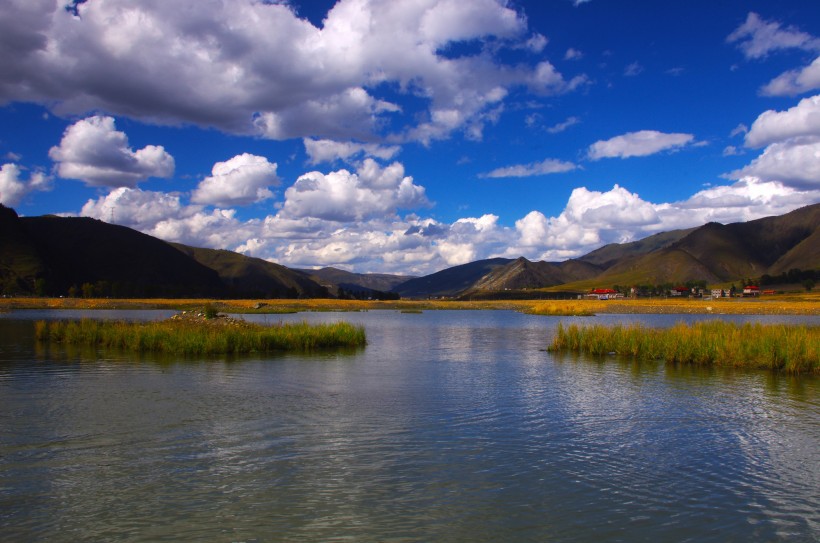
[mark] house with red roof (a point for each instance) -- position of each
(751, 290)
(604, 294)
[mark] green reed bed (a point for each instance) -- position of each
(201, 338)
(788, 348)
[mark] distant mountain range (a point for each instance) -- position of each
(365, 283)
(713, 253)
(52, 255)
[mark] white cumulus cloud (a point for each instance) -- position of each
(256, 67)
(757, 37)
(137, 208)
(774, 126)
(94, 151)
(242, 180)
(165, 216)
(589, 220)
(344, 196)
(794, 163)
(641, 143)
(323, 150)
(791, 142)
(13, 188)
(747, 199)
(794, 82)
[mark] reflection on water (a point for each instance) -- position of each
(448, 426)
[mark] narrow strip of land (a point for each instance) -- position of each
(790, 304)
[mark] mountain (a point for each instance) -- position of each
(803, 256)
(752, 248)
(611, 254)
(714, 253)
(21, 264)
(657, 267)
(334, 278)
(523, 274)
(248, 277)
(71, 255)
(108, 259)
(450, 281)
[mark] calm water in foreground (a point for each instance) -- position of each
(448, 426)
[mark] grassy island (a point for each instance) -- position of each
(183, 336)
(788, 348)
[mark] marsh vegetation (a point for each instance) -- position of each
(194, 337)
(787, 348)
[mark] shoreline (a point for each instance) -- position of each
(790, 304)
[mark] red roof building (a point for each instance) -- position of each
(603, 291)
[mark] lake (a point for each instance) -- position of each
(448, 426)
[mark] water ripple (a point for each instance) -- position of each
(455, 427)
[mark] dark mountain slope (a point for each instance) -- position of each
(749, 249)
(21, 264)
(803, 256)
(248, 277)
(658, 267)
(611, 254)
(724, 251)
(520, 274)
(76, 251)
(450, 281)
(578, 270)
(524, 274)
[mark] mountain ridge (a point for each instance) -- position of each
(714, 253)
(62, 255)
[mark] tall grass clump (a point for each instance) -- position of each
(197, 338)
(781, 347)
(562, 309)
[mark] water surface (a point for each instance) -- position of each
(449, 425)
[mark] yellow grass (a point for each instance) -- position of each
(198, 337)
(787, 348)
(793, 304)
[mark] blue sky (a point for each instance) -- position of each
(409, 136)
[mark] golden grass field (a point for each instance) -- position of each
(778, 304)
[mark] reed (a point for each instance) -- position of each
(563, 309)
(787, 348)
(201, 338)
